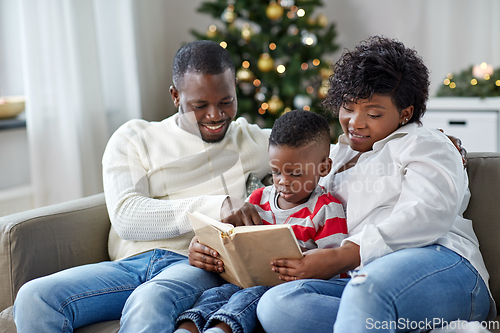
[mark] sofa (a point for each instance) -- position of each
(45, 240)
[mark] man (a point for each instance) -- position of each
(155, 172)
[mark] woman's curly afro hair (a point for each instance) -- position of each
(380, 66)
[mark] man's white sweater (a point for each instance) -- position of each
(155, 172)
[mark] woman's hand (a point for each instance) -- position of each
(319, 263)
(238, 212)
(204, 257)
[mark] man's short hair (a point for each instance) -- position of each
(203, 57)
(380, 66)
(299, 128)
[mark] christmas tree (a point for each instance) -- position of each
(278, 49)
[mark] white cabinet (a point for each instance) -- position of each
(475, 121)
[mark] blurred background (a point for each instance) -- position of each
(84, 67)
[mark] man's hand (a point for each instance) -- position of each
(238, 212)
(318, 263)
(458, 144)
(203, 257)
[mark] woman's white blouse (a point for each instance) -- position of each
(409, 191)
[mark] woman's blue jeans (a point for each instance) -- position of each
(147, 292)
(411, 289)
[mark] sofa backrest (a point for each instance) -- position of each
(484, 211)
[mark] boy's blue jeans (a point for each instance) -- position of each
(407, 290)
(228, 304)
(147, 292)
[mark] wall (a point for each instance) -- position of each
(450, 35)
(11, 80)
(162, 27)
(15, 189)
(14, 168)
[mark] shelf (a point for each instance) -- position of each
(11, 123)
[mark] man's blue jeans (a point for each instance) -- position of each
(147, 292)
(418, 288)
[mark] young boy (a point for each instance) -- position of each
(299, 148)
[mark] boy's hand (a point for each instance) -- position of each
(204, 257)
(308, 267)
(238, 212)
(319, 263)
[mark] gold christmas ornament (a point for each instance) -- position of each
(322, 91)
(212, 31)
(275, 104)
(326, 72)
(274, 11)
(244, 74)
(322, 20)
(246, 32)
(228, 15)
(265, 63)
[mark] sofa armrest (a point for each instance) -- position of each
(45, 240)
(484, 211)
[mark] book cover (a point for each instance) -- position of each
(247, 251)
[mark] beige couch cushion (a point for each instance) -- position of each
(7, 321)
(7, 325)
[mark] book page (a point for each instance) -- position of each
(256, 250)
(223, 227)
(209, 235)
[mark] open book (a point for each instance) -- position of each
(247, 251)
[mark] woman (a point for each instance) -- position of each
(414, 260)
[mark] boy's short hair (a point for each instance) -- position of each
(380, 66)
(299, 128)
(203, 57)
